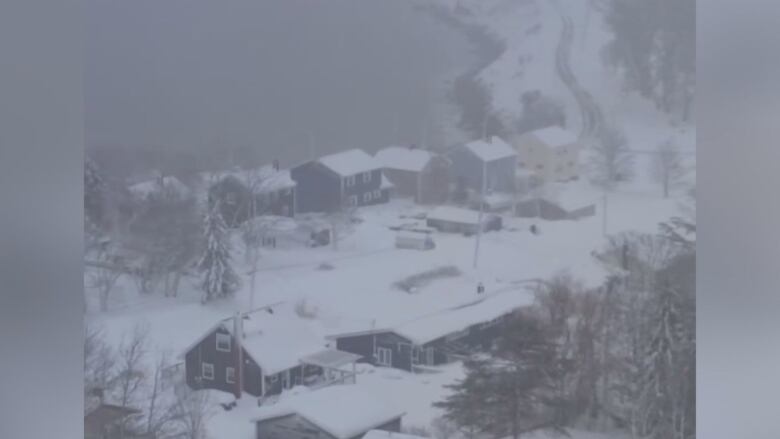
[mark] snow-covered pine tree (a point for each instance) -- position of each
(219, 280)
(661, 382)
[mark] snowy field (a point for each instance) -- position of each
(358, 292)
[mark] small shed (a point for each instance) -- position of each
(408, 239)
(337, 412)
(458, 220)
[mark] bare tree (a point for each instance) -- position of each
(130, 368)
(668, 167)
(104, 275)
(341, 223)
(192, 408)
(613, 161)
(160, 414)
(99, 362)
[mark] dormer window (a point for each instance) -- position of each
(350, 181)
(366, 177)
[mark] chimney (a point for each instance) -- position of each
(276, 165)
(238, 335)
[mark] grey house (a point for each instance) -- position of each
(416, 173)
(349, 178)
(337, 412)
(494, 159)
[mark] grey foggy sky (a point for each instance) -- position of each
(266, 74)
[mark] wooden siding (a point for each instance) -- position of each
(364, 345)
(206, 352)
(468, 167)
(317, 188)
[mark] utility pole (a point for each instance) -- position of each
(481, 212)
(604, 216)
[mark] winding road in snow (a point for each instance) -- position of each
(591, 114)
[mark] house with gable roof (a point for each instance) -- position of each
(551, 154)
(350, 178)
(492, 159)
(263, 353)
(416, 173)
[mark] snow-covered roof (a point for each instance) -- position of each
(428, 328)
(271, 180)
(554, 136)
(384, 434)
(456, 215)
(404, 158)
(260, 180)
(331, 358)
(496, 149)
(154, 186)
(344, 411)
(498, 200)
(350, 162)
(277, 342)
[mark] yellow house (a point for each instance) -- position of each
(550, 153)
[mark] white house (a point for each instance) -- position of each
(551, 154)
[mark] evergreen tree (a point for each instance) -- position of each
(219, 280)
(654, 47)
(514, 391)
(662, 378)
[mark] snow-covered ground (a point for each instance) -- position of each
(358, 292)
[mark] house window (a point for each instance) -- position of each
(366, 177)
(230, 198)
(352, 200)
(384, 356)
(350, 181)
(274, 378)
(207, 371)
(367, 197)
(377, 194)
(230, 375)
(223, 342)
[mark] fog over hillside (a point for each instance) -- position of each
(267, 79)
